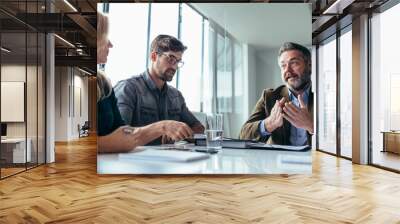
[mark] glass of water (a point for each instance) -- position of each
(214, 132)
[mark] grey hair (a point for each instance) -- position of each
(287, 46)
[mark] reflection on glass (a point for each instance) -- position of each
(385, 85)
(41, 99)
(327, 97)
(32, 101)
(238, 78)
(238, 97)
(128, 57)
(208, 72)
(164, 20)
(394, 101)
(190, 73)
(14, 149)
(23, 95)
(224, 74)
(345, 94)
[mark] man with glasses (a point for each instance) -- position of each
(284, 115)
(147, 98)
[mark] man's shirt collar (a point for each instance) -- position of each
(150, 83)
(306, 93)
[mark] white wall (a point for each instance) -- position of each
(69, 85)
(79, 117)
(261, 72)
(250, 71)
(61, 103)
(268, 72)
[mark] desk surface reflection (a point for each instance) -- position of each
(226, 161)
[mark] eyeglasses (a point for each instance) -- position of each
(291, 63)
(172, 60)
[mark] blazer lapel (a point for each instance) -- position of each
(310, 105)
(310, 108)
(286, 124)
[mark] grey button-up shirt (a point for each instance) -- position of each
(141, 103)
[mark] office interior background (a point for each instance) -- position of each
(46, 79)
(48, 87)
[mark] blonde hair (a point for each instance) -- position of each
(104, 86)
(102, 29)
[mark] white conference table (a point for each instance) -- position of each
(227, 161)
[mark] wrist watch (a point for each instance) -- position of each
(128, 130)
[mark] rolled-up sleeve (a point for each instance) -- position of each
(125, 93)
(263, 131)
(251, 129)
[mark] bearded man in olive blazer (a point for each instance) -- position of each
(284, 115)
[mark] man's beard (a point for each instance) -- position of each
(168, 75)
(300, 82)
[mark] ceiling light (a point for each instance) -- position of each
(338, 6)
(64, 40)
(5, 50)
(86, 72)
(332, 9)
(79, 51)
(71, 6)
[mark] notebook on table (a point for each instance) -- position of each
(250, 144)
(164, 155)
(260, 145)
(200, 140)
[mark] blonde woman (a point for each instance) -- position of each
(113, 134)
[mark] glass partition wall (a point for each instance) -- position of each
(334, 59)
(385, 88)
(327, 94)
(22, 100)
(345, 108)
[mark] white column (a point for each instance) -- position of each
(50, 99)
(249, 68)
(360, 90)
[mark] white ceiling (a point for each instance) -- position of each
(263, 25)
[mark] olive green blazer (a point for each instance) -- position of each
(281, 135)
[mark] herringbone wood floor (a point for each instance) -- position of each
(70, 191)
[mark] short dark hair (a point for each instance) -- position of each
(163, 43)
(293, 46)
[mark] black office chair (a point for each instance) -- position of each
(84, 130)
